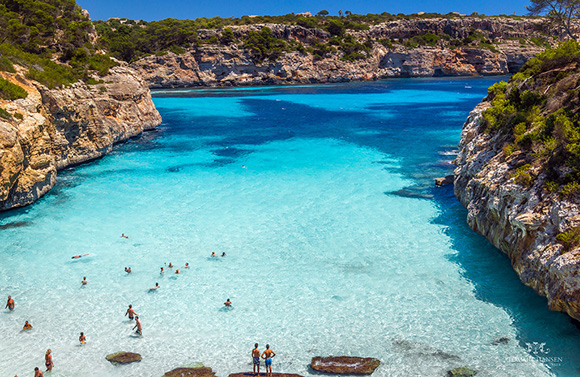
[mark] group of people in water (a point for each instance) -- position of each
(132, 315)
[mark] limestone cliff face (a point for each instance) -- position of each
(65, 127)
(213, 65)
(520, 221)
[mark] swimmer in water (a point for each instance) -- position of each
(84, 282)
(130, 312)
(38, 372)
(27, 326)
(213, 254)
(186, 265)
(170, 265)
(228, 303)
(138, 326)
(82, 339)
(224, 254)
(128, 270)
(124, 236)
(79, 256)
(177, 271)
(162, 271)
(9, 304)
(155, 287)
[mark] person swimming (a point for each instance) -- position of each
(155, 287)
(27, 326)
(213, 254)
(84, 282)
(228, 303)
(170, 265)
(162, 272)
(186, 265)
(177, 271)
(224, 254)
(79, 256)
(128, 270)
(124, 236)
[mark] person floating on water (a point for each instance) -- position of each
(124, 236)
(38, 372)
(130, 312)
(228, 303)
(48, 360)
(128, 270)
(138, 326)
(268, 355)
(156, 287)
(27, 326)
(84, 282)
(224, 254)
(79, 256)
(186, 265)
(256, 359)
(82, 338)
(9, 304)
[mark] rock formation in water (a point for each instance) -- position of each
(517, 174)
(52, 129)
(507, 47)
(344, 364)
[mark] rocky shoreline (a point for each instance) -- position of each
(54, 129)
(217, 65)
(520, 221)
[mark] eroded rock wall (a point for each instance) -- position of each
(65, 127)
(520, 221)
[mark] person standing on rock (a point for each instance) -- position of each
(268, 355)
(256, 359)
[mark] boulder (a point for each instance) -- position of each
(123, 357)
(197, 371)
(344, 364)
(461, 372)
(447, 180)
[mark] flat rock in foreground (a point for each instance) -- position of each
(190, 371)
(344, 364)
(250, 374)
(123, 357)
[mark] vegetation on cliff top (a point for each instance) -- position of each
(537, 116)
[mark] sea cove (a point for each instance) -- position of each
(336, 243)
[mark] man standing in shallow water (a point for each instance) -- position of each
(9, 304)
(137, 325)
(131, 312)
(268, 355)
(256, 358)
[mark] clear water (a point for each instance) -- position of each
(337, 243)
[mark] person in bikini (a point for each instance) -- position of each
(256, 359)
(130, 312)
(268, 355)
(48, 360)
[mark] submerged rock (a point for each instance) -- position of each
(196, 370)
(344, 364)
(461, 372)
(502, 340)
(123, 357)
(447, 180)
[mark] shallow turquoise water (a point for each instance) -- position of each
(336, 243)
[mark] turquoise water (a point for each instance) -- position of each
(337, 243)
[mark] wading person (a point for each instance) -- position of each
(48, 360)
(130, 312)
(9, 303)
(137, 325)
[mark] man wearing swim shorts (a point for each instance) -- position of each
(256, 359)
(9, 304)
(137, 325)
(268, 355)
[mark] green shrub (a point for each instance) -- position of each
(5, 114)
(551, 186)
(522, 176)
(570, 189)
(569, 239)
(18, 116)
(10, 91)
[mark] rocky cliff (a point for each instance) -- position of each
(507, 47)
(511, 192)
(50, 130)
